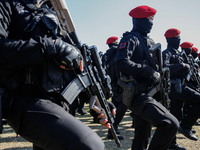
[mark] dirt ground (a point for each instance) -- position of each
(10, 141)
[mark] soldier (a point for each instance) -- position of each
(110, 65)
(194, 52)
(36, 64)
(189, 49)
(132, 60)
(180, 93)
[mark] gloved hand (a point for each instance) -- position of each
(67, 56)
(150, 73)
(186, 68)
(155, 77)
(102, 117)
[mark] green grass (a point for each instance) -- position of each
(10, 141)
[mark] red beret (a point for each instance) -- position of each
(186, 45)
(111, 39)
(142, 12)
(172, 33)
(194, 50)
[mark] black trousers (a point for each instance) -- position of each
(189, 97)
(147, 112)
(50, 127)
(121, 109)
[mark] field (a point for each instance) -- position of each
(10, 141)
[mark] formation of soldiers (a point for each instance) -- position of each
(184, 76)
(45, 72)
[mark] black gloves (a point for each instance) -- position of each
(187, 67)
(95, 114)
(155, 77)
(67, 55)
(151, 74)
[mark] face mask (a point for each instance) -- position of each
(187, 50)
(142, 25)
(173, 42)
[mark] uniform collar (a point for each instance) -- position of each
(173, 49)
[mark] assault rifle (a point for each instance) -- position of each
(193, 74)
(93, 79)
(164, 86)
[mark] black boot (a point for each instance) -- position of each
(176, 147)
(197, 123)
(81, 112)
(187, 133)
(109, 136)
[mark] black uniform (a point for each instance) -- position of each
(37, 117)
(147, 111)
(172, 59)
(110, 64)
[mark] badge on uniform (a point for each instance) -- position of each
(122, 45)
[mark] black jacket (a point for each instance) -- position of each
(131, 57)
(111, 69)
(25, 46)
(173, 60)
(23, 50)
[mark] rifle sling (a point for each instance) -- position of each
(146, 51)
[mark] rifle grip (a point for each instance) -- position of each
(95, 105)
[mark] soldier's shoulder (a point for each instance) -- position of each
(128, 37)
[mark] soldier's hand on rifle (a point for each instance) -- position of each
(186, 67)
(102, 116)
(67, 56)
(155, 77)
(103, 120)
(150, 73)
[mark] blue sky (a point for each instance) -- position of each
(96, 20)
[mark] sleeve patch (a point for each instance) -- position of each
(122, 45)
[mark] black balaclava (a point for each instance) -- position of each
(194, 54)
(142, 25)
(112, 44)
(187, 50)
(173, 42)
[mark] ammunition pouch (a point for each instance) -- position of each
(129, 90)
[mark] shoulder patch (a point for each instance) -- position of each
(122, 45)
